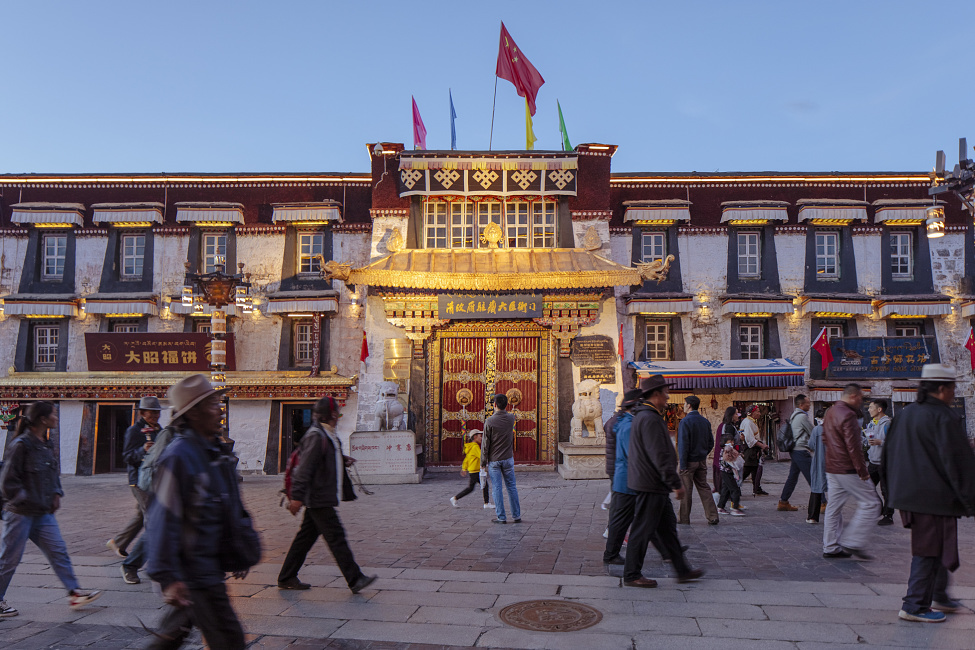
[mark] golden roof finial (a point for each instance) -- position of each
(395, 242)
(492, 235)
(591, 241)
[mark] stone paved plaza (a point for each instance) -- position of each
(445, 574)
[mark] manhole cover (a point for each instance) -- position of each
(550, 616)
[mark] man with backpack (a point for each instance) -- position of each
(319, 483)
(795, 435)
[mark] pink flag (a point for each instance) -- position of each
(419, 131)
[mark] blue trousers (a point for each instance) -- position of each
(801, 462)
(928, 581)
(504, 469)
(44, 532)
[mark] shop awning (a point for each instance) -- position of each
(836, 305)
(667, 210)
(306, 212)
(40, 305)
(284, 302)
(127, 303)
(903, 211)
(219, 212)
(968, 309)
(831, 212)
(649, 304)
(894, 306)
(516, 269)
(122, 213)
(725, 373)
(756, 305)
(67, 213)
(754, 212)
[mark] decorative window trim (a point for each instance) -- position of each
(60, 253)
(136, 258)
(827, 264)
(752, 328)
(302, 343)
(46, 353)
(748, 256)
(313, 265)
(654, 344)
(208, 261)
(899, 255)
(653, 234)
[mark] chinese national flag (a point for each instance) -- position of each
(513, 66)
(365, 347)
(970, 344)
(821, 345)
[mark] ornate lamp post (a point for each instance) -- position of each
(960, 181)
(219, 289)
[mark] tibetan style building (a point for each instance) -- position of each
(472, 273)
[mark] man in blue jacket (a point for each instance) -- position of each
(694, 442)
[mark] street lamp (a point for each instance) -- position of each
(960, 181)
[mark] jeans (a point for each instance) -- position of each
(211, 612)
(842, 488)
(696, 475)
(653, 514)
(801, 462)
(44, 532)
(324, 522)
(620, 519)
(504, 469)
(123, 539)
(137, 556)
(928, 581)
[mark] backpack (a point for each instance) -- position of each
(148, 467)
(786, 439)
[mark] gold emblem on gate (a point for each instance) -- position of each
(464, 396)
(514, 397)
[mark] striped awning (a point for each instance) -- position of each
(127, 212)
(108, 304)
(210, 212)
(725, 373)
(937, 307)
(646, 305)
(670, 210)
(299, 212)
(731, 306)
(39, 305)
(70, 213)
(754, 211)
(811, 305)
(285, 302)
(968, 309)
(903, 396)
(832, 214)
(912, 211)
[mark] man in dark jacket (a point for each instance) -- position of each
(929, 468)
(139, 439)
(694, 442)
(847, 478)
(623, 498)
(498, 451)
(652, 474)
(320, 484)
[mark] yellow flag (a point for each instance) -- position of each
(529, 133)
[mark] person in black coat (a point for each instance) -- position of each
(929, 469)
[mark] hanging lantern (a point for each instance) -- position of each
(935, 223)
(218, 322)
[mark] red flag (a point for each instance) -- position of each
(365, 348)
(419, 131)
(620, 347)
(513, 66)
(970, 344)
(821, 345)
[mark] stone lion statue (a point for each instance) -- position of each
(389, 410)
(587, 415)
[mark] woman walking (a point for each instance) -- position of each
(727, 432)
(31, 487)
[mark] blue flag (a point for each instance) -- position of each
(453, 116)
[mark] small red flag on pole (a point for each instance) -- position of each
(970, 344)
(365, 348)
(821, 345)
(514, 67)
(620, 345)
(419, 130)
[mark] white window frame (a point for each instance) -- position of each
(751, 338)
(907, 330)
(303, 347)
(435, 224)
(46, 339)
(310, 244)
(124, 326)
(828, 254)
(488, 212)
(517, 223)
(462, 224)
(833, 330)
(132, 252)
(54, 247)
(653, 245)
(749, 262)
(213, 248)
(202, 326)
(658, 341)
(543, 224)
(901, 255)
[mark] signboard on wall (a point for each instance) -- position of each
(881, 357)
(602, 374)
(489, 307)
(383, 452)
(593, 351)
(152, 352)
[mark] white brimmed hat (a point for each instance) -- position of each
(189, 392)
(938, 372)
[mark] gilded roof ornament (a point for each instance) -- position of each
(591, 240)
(492, 235)
(332, 270)
(655, 270)
(395, 242)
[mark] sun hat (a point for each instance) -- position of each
(652, 383)
(472, 433)
(149, 403)
(938, 372)
(189, 392)
(630, 397)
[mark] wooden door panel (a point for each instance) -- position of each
(463, 370)
(517, 377)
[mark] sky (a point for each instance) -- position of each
(289, 86)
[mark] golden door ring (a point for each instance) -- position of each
(464, 396)
(514, 397)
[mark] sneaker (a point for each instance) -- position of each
(886, 521)
(489, 506)
(499, 521)
(785, 506)
(6, 611)
(947, 605)
(811, 521)
(115, 548)
(79, 598)
(922, 617)
(836, 555)
(722, 511)
(131, 576)
(517, 520)
(761, 493)
(742, 507)
(293, 583)
(363, 582)
(453, 502)
(736, 513)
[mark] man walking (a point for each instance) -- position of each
(652, 474)
(621, 505)
(139, 439)
(801, 458)
(694, 443)
(753, 450)
(498, 450)
(847, 478)
(876, 435)
(929, 470)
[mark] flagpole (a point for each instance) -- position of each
(493, 104)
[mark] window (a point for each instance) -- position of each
(901, 256)
(55, 249)
(133, 256)
(310, 245)
(654, 245)
(202, 326)
(123, 326)
(749, 255)
(488, 212)
(750, 336)
(543, 224)
(517, 216)
(214, 250)
(658, 342)
(907, 330)
(834, 331)
(46, 339)
(435, 220)
(827, 255)
(303, 344)
(461, 225)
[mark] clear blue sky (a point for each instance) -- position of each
(201, 86)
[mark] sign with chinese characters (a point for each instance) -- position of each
(489, 307)
(593, 351)
(383, 452)
(602, 374)
(148, 352)
(881, 357)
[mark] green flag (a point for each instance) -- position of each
(566, 145)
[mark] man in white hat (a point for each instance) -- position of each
(929, 467)
(139, 439)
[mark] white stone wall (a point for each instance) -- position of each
(790, 255)
(69, 426)
(345, 342)
(607, 324)
(381, 231)
(377, 330)
(867, 250)
(248, 425)
(621, 250)
(581, 227)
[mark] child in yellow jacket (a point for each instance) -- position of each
(472, 467)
